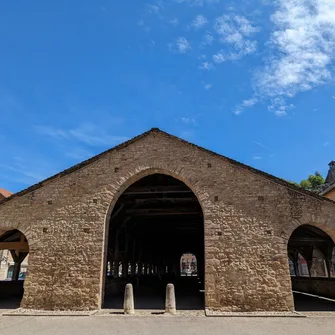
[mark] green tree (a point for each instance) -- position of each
(313, 182)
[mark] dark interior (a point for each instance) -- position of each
(154, 222)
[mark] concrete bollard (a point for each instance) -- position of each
(128, 304)
(170, 300)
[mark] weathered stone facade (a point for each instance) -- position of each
(248, 218)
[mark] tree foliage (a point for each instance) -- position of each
(313, 182)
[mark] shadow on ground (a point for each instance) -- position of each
(10, 303)
(306, 303)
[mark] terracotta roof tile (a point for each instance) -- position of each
(5, 193)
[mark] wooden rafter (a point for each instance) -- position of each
(17, 246)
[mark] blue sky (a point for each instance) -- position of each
(252, 81)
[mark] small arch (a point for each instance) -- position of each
(14, 250)
(188, 265)
(310, 253)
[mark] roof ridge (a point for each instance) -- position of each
(158, 130)
(250, 168)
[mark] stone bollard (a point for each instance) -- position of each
(128, 304)
(170, 300)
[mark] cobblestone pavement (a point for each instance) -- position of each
(163, 325)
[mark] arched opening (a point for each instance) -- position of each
(153, 222)
(14, 250)
(188, 265)
(311, 261)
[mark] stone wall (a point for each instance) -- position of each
(248, 218)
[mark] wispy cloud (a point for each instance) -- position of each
(206, 66)
(197, 3)
(207, 39)
(257, 157)
(174, 21)
(279, 107)
(154, 9)
(207, 86)
(86, 133)
(181, 45)
(199, 22)
(26, 170)
(245, 104)
(326, 144)
(79, 154)
(260, 144)
(235, 33)
(188, 120)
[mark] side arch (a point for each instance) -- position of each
(310, 250)
(15, 248)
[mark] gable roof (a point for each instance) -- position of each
(327, 188)
(161, 132)
(5, 193)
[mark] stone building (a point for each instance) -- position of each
(136, 208)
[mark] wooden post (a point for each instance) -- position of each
(116, 256)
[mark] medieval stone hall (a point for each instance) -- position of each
(157, 210)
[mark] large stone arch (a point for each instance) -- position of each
(132, 177)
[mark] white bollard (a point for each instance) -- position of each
(128, 304)
(170, 300)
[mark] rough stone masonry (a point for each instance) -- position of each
(248, 218)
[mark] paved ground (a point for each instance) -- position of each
(307, 303)
(321, 320)
(164, 325)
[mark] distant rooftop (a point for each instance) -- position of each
(4, 193)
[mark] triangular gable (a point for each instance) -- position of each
(158, 131)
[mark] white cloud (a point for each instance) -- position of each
(182, 45)
(245, 104)
(257, 157)
(234, 32)
(219, 58)
(154, 9)
(326, 144)
(208, 39)
(206, 66)
(188, 120)
(279, 106)
(280, 113)
(207, 86)
(249, 102)
(199, 22)
(302, 49)
(174, 21)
